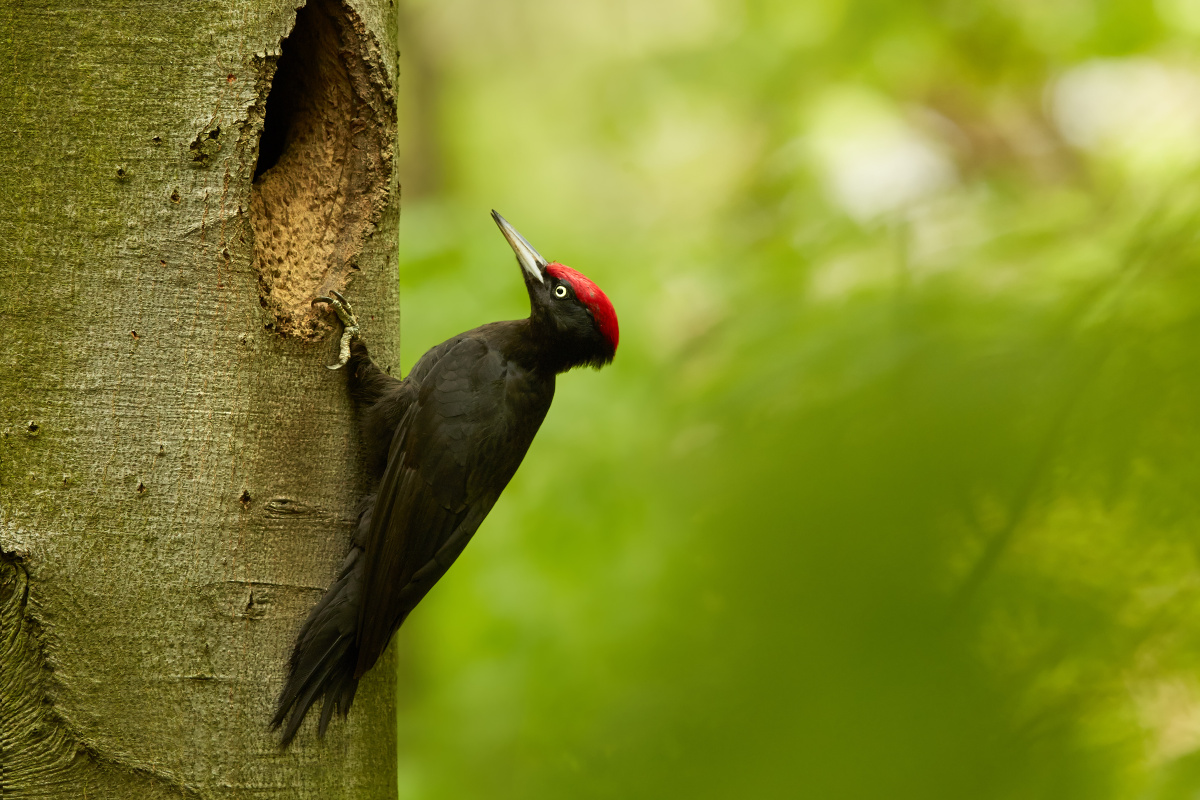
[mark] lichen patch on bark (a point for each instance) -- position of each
(324, 162)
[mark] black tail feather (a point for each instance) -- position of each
(326, 711)
(325, 654)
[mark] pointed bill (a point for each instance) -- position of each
(531, 261)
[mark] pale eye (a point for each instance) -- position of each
(560, 291)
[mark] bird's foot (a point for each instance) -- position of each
(349, 322)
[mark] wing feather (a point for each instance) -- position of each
(453, 452)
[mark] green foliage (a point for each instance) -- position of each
(892, 490)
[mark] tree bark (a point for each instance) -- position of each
(178, 472)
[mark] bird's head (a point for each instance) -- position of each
(567, 310)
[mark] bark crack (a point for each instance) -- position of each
(41, 755)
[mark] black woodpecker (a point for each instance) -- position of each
(444, 441)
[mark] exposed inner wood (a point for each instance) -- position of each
(324, 165)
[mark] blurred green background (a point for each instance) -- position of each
(893, 489)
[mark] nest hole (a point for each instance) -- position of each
(324, 164)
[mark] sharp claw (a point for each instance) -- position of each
(349, 322)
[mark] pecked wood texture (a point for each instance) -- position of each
(177, 475)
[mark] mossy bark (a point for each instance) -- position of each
(178, 471)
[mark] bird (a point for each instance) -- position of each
(443, 443)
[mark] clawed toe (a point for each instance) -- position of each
(340, 306)
(350, 322)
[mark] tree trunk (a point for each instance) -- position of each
(178, 472)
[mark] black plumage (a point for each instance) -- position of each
(447, 439)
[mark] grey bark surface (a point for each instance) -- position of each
(178, 471)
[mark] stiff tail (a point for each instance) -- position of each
(325, 654)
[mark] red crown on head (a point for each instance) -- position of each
(591, 296)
